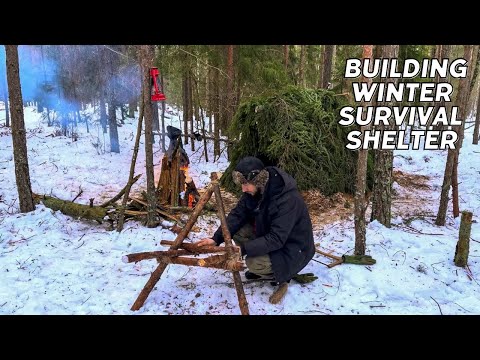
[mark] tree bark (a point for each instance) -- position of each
(216, 116)
(383, 170)
(476, 130)
(453, 154)
(463, 245)
(20, 155)
(176, 244)
(132, 106)
(5, 101)
(327, 65)
(301, 70)
(359, 211)
(146, 58)
(112, 124)
(285, 57)
(163, 119)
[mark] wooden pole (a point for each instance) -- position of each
(121, 215)
(200, 250)
(169, 253)
(242, 300)
(176, 244)
(463, 246)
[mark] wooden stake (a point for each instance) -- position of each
(242, 300)
(463, 246)
(176, 244)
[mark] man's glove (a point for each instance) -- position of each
(305, 278)
(358, 259)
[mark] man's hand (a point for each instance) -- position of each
(205, 242)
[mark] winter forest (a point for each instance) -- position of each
(116, 159)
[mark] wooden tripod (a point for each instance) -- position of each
(230, 260)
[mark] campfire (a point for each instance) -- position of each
(188, 195)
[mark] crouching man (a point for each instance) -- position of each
(270, 223)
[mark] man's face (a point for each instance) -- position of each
(249, 188)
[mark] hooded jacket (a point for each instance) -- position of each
(283, 227)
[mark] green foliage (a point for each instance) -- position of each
(298, 131)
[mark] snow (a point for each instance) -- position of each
(53, 264)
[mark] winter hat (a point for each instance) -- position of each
(251, 170)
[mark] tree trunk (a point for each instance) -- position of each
(463, 245)
(327, 65)
(163, 119)
(112, 124)
(216, 116)
(360, 231)
(146, 58)
(452, 157)
(132, 105)
(19, 139)
(320, 68)
(5, 101)
(383, 170)
(285, 58)
(476, 130)
(190, 108)
(301, 70)
(185, 108)
(103, 110)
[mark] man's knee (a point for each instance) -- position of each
(260, 265)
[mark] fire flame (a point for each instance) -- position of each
(191, 198)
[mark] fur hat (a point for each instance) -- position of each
(251, 170)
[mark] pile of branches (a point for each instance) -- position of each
(298, 131)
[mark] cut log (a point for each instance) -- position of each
(69, 208)
(463, 246)
(201, 249)
(216, 262)
(153, 255)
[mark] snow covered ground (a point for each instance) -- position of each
(53, 264)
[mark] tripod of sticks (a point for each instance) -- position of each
(226, 258)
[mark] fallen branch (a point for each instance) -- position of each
(163, 213)
(71, 209)
(328, 255)
(79, 193)
(441, 313)
(120, 194)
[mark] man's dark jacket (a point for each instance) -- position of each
(282, 225)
